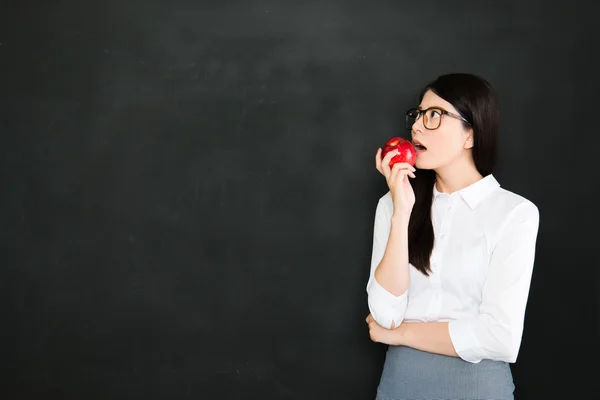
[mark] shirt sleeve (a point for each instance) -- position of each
(496, 332)
(384, 306)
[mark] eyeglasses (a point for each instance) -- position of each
(432, 117)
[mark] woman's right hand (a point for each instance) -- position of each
(397, 180)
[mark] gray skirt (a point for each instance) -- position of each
(410, 374)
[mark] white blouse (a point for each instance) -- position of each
(482, 263)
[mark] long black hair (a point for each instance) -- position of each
(475, 99)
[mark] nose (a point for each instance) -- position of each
(417, 126)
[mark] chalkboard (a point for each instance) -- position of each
(188, 188)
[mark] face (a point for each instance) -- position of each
(445, 145)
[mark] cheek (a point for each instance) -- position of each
(449, 145)
(428, 160)
(439, 152)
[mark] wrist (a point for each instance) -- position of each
(403, 334)
(401, 218)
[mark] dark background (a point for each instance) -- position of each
(188, 188)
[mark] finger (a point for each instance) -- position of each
(395, 171)
(378, 161)
(373, 335)
(385, 169)
(404, 172)
(405, 165)
(398, 179)
(388, 157)
(385, 163)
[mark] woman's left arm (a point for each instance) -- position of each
(495, 333)
(432, 337)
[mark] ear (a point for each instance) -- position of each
(469, 139)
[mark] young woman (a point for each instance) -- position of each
(453, 254)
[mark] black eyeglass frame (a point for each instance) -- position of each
(442, 112)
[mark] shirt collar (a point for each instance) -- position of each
(476, 192)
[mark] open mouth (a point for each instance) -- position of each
(419, 147)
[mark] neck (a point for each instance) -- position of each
(456, 176)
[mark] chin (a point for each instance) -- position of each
(423, 164)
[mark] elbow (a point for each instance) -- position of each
(480, 338)
(385, 308)
(387, 318)
(510, 351)
(504, 352)
(507, 354)
(504, 343)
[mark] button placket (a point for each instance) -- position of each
(446, 221)
(443, 221)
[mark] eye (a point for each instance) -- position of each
(414, 113)
(436, 113)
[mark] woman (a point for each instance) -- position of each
(453, 254)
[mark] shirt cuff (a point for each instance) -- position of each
(386, 307)
(464, 340)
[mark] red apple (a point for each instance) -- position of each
(405, 148)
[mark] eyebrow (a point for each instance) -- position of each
(427, 108)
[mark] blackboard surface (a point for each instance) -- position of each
(188, 188)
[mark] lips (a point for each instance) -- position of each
(419, 146)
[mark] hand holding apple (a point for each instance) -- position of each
(395, 162)
(406, 151)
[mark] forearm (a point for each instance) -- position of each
(432, 337)
(392, 272)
